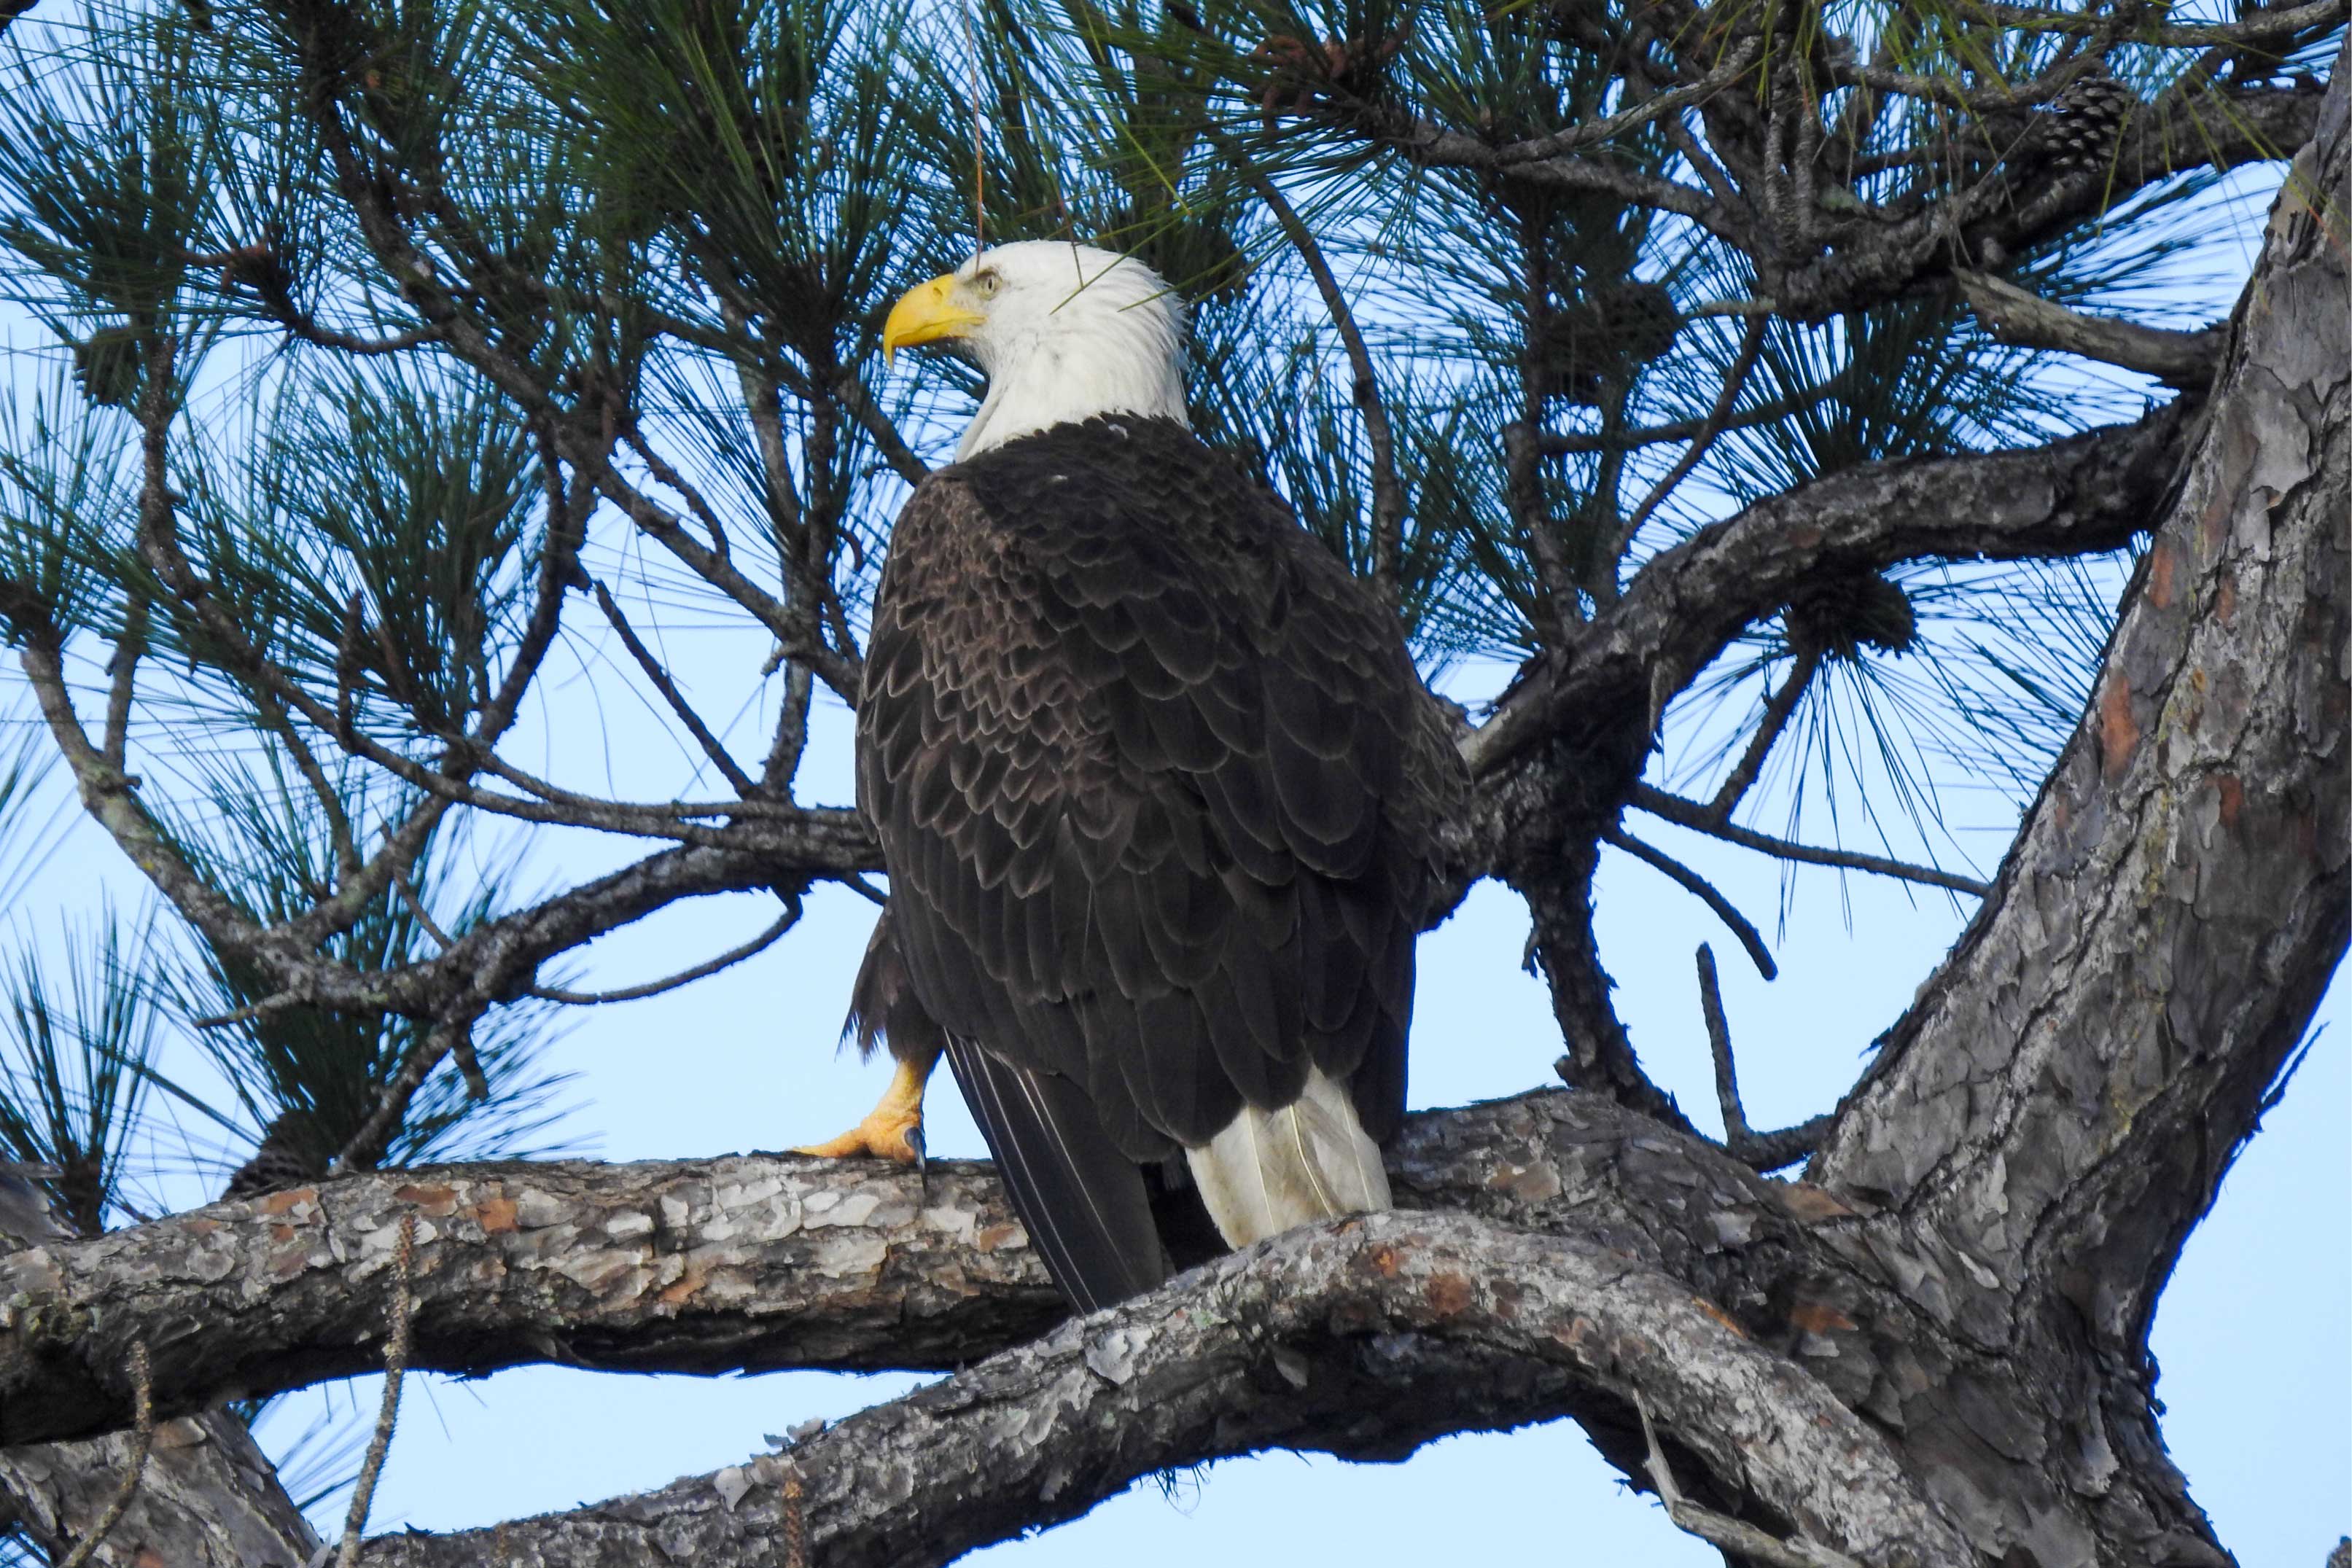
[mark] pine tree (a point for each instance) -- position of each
(1785, 393)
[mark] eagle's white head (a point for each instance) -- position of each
(1064, 331)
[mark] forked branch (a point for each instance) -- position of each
(1701, 819)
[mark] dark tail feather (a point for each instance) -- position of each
(1085, 1202)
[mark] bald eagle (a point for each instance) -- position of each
(1157, 789)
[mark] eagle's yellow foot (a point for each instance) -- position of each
(893, 1130)
(882, 1135)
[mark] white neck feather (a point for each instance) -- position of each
(1076, 363)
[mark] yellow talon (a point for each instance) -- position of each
(893, 1130)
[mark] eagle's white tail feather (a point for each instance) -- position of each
(1295, 1123)
(1269, 1170)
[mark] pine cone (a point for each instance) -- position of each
(109, 367)
(2084, 123)
(1604, 338)
(1843, 613)
(287, 1158)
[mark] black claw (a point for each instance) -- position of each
(922, 1161)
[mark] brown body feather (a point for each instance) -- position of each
(1158, 788)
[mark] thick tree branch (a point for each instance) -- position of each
(2014, 314)
(2057, 1109)
(1364, 1338)
(207, 1499)
(772, 1261)
(751, 1263)
(1565, 947)
(756, 1262)
(2075, 497)
(2220, 130)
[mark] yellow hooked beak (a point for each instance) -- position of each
(925, 314)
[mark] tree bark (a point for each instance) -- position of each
(2053, 1116)
(1366, 1337)
(748, 1263)
(207, 1497)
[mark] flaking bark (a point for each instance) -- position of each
(1365, 1338)
(767, 1262)
(2054, 1114)
(207, 1497)
(751, 1262)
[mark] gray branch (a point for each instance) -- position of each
(207, 1499)
(2014, 314)
(1364, 1338)
(2082, 495)
(753, 1263)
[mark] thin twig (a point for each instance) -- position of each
(1751, 344)
(1691, 882)
(143, 1398)
(1736, 1537)
(417, 907)
(280, 307)
(252, 1012)
(1780, 200)
(893, 445)
(1776, 710)
(1718, 1041)
(276, 720)
(766, 410)
(1574, 441)
(347, 670)
(678, 483)
(757, 944)
(735, 776)
(1759, 1151)
(1592, 132)
(368, 1145)
(1557, 605)
(1432, 146)
(123, 669)
(1691, 814)
(978, 149)
(395, 1365)
(478, 1082)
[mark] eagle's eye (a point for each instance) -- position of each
(987, 283)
